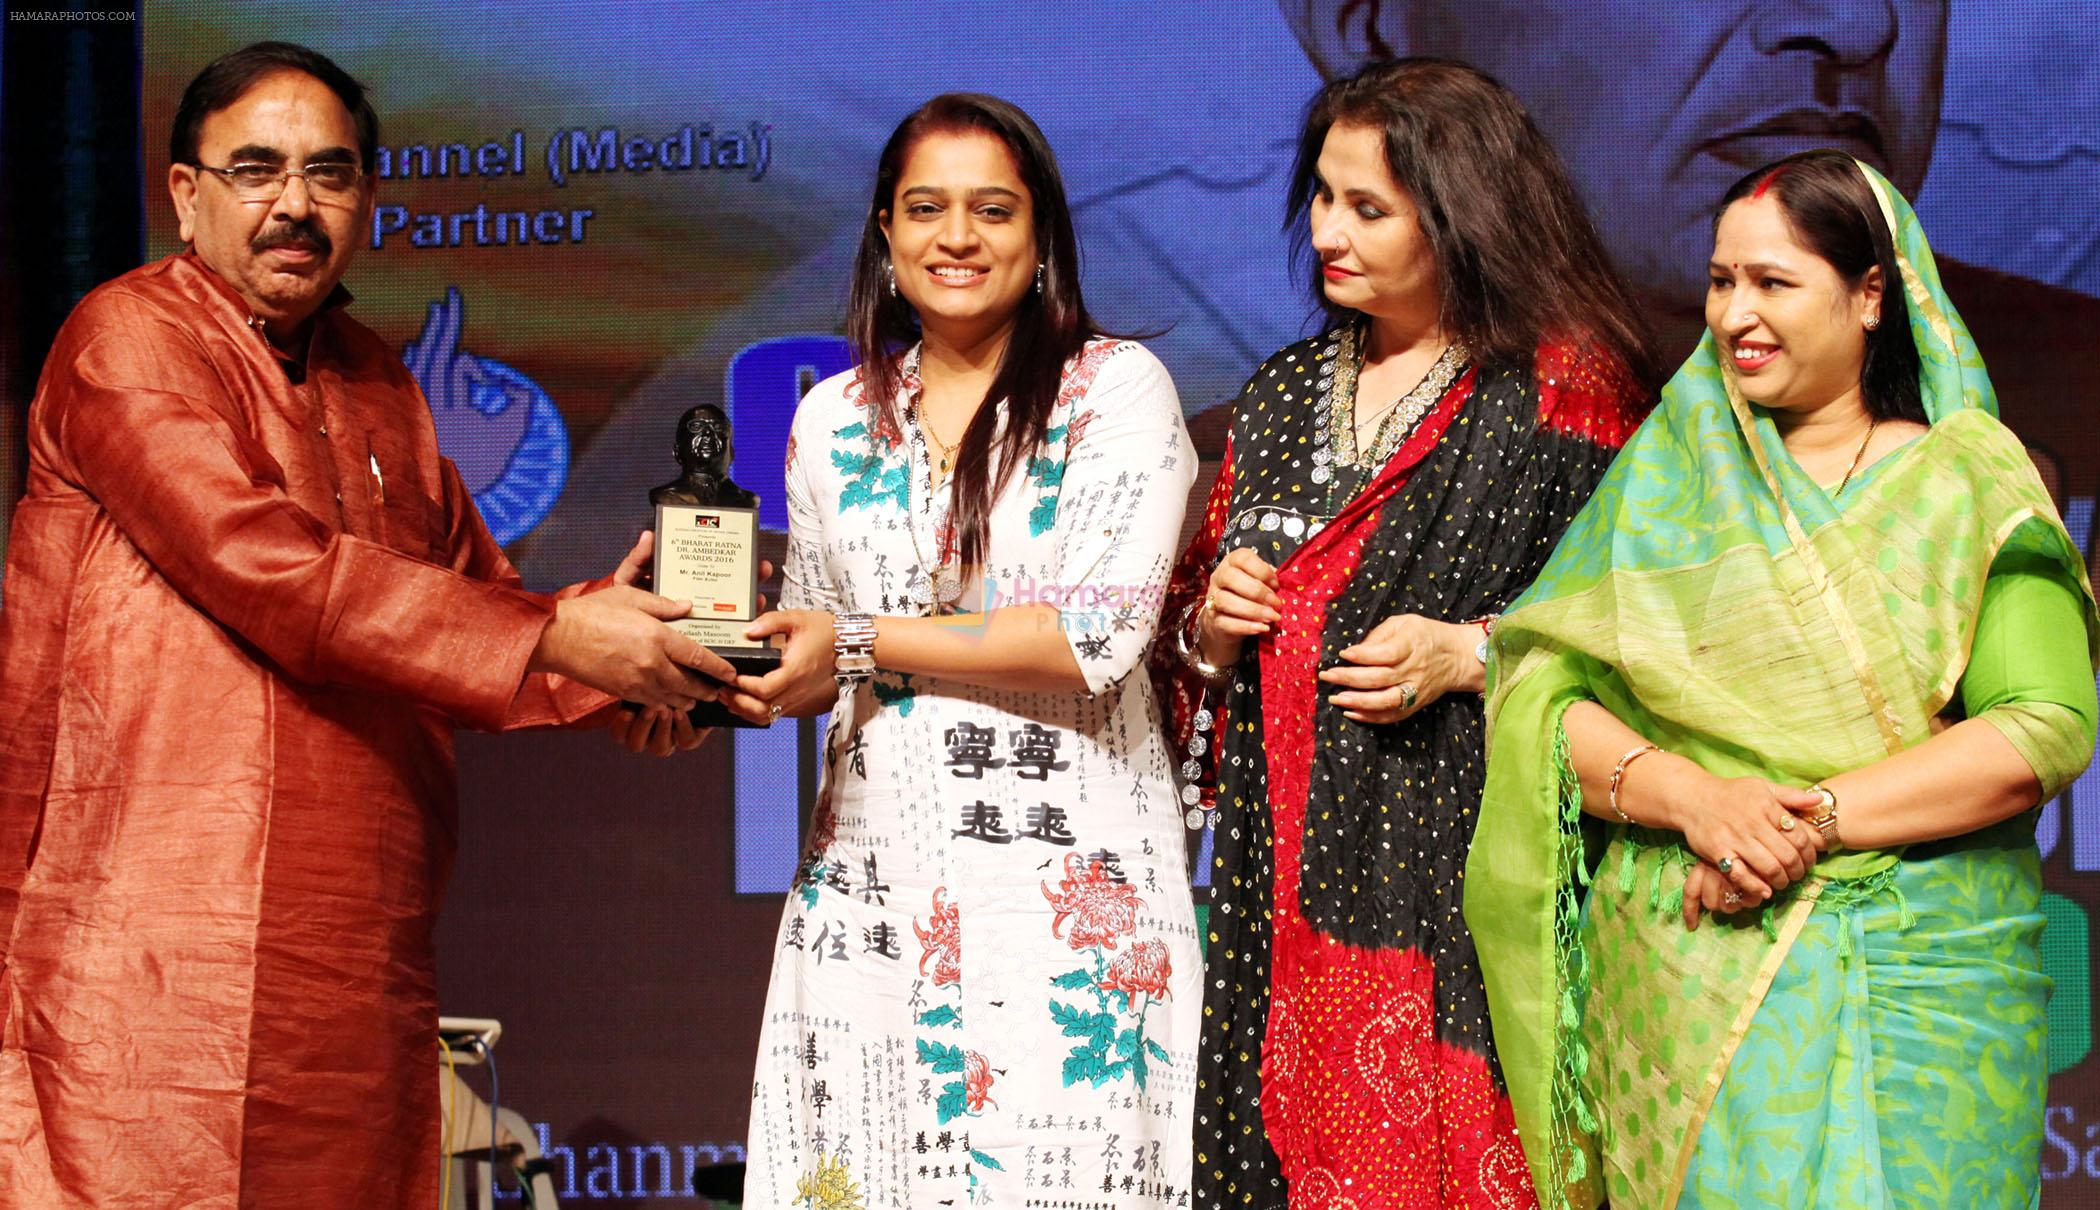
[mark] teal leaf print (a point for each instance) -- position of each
(901, 696)
(856, 465)
(1084, 1063)
(1098, 1027)
(1047, 474)
(945, 1059)
(1072, 981)
(980, 1157)
(950, 1104)
(946, 1014)
(812, 878)
(872, 483)
(1158, 1052)
(1138, 1071)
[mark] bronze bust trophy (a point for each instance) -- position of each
(703, 450)
(707, 551)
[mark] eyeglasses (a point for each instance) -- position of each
(254, 182)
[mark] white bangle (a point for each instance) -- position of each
(1618, 774)
(1186, 646)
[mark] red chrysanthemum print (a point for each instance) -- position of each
(977, 1082)
(1140, 971)
(942, 940)
(1076, 427)
(1099, 908)
(879, 425)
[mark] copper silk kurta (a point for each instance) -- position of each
(246, 601)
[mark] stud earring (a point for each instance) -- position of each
(1873, 322)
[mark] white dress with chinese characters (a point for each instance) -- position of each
(986, 982)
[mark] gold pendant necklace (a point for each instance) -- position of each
(1857, 455)
(946, 460)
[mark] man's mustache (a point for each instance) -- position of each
(302, 234)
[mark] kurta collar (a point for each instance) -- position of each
(239, 312)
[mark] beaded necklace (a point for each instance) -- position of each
(1340, 464)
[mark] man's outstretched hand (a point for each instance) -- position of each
(661, 728)
(656, 730)
(615, 641)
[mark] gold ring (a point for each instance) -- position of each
(1726, 865)
(1407, 695)
(1786, 823)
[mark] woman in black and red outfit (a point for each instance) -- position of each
(1388, 486)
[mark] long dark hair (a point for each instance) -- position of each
(1834, 213)
(1517, 257)
(1051, 327)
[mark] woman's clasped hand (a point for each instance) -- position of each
(1753, 840)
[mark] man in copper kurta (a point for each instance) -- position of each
(246, 602)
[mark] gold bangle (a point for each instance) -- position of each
(1618, 774)
(1827, 822)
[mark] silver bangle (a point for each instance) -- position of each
(853, 648)
(1185, 645)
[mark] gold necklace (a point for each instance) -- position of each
(1856, 456)
(947, 448)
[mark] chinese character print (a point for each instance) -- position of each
(986, 987)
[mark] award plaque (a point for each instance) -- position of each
(707, 553)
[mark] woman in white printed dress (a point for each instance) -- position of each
(986, 981)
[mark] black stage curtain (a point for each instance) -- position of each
(71, 213)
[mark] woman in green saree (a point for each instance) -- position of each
(1754, 884)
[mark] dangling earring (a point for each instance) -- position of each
(890, 272)
(1039, 277)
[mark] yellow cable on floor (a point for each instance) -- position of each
(445, 1131)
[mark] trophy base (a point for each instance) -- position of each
(748, 661)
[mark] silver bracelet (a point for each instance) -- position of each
(853, 648)
(1185, 645)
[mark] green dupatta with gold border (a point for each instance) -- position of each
(1713, 599)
